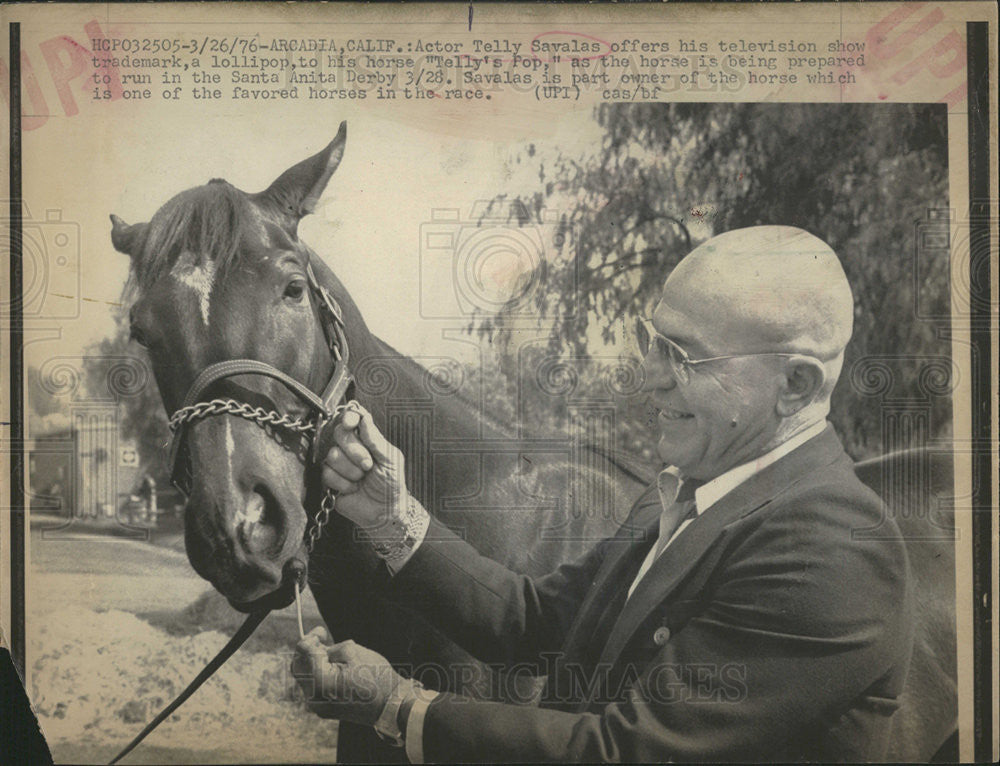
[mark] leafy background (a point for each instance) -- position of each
(870, 180)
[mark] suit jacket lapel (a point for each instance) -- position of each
(642, 527)
(639, 531)
(685, 551)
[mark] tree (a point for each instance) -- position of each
(42, 401)
(142, 416)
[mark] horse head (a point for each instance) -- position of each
(219, 274)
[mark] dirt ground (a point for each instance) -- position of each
(117, 627)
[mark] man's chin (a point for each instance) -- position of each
(671, 453)
(676, 454)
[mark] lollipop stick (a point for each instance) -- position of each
(298, 612)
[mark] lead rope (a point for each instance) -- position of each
(238, 639)
(326, 507)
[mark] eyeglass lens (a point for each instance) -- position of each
(667, 350)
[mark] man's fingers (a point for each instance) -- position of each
(339, 652)
(339, 462)
(311, 645)
(309, 660)
(351, 416)
(346, 652)
(351, 447)
(302, 661)
(357, 422)
(373, 440)
(320, 633)
(337, 482)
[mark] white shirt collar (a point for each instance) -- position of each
(711, 492)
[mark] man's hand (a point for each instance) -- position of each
(365, 470)
(344, 681)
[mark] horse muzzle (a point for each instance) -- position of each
(293, 576)
(245, 553)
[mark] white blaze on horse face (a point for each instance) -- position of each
(198, 278)
(230, 451)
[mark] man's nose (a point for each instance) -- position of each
(658, 375)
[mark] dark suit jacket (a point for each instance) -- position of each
(766, 631)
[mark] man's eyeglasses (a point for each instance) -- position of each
(677, 357)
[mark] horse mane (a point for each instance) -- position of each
(208, 222)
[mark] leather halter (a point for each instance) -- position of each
(324, 406)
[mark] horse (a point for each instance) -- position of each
(220, 274)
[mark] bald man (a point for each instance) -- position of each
(735, 616)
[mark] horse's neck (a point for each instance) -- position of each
(462, 463)
(388, 382)
(389, 385)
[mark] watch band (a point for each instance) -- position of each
(387, 725)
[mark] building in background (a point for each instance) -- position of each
(87, 470)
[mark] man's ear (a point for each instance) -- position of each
(804, 379)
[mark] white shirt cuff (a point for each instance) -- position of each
(415, 725)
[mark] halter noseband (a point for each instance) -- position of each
(326, 406)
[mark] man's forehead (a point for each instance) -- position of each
(709, 317)
(675, 322)
(756, 290)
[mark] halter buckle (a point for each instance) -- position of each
(323, 419)
(329, 302)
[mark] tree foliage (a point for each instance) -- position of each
(142, 418)
(42, 401)
(865, 178)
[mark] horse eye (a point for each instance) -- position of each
(295, 290)
(137, 335)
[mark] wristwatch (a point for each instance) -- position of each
(387, 725)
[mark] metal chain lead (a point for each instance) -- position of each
(329, 502)
(326, 507)
(241, 409)
(265, 418)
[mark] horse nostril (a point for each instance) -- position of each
(257, 524)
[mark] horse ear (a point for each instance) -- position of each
(127, 239)
(296, 191)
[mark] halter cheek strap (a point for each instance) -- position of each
(336, 388)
